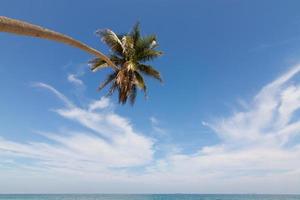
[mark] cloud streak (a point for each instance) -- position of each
(259, 146)
(259, 149)
(108, 142)
(72, 78)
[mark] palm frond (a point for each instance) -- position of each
(135, 33)
(120, 36)
(133, 93)
(148, 54)
(128, 46)
(97, 64)
(109, 79)
(112, 88)
(146, 42)
(117, 59)
(111, 39)
(123, 95)
(150, 71)
(140, 81)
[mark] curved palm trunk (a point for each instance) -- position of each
(23, 28)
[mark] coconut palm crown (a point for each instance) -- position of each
(130, 52)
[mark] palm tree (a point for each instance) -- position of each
(23, 28)
(129, 52)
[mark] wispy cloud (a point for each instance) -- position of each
(257, 146)
(65, 100)
(259, 149)
(100, 104)
(108, 142)
(156, 126)
(72, 78)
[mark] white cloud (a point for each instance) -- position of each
(257, 147)
(54, 91)
(100, 104)
(153, 120)
(156, 126)
(258, 153)
(72, 78)
(110, 141)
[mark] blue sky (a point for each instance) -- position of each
(224, 121)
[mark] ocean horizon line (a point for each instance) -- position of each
(177, 193)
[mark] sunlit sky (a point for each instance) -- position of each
(225, 120)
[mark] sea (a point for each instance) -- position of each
(147, 197)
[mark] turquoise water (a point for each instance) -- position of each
(147, 197)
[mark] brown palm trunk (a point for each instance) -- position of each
(23, 28)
